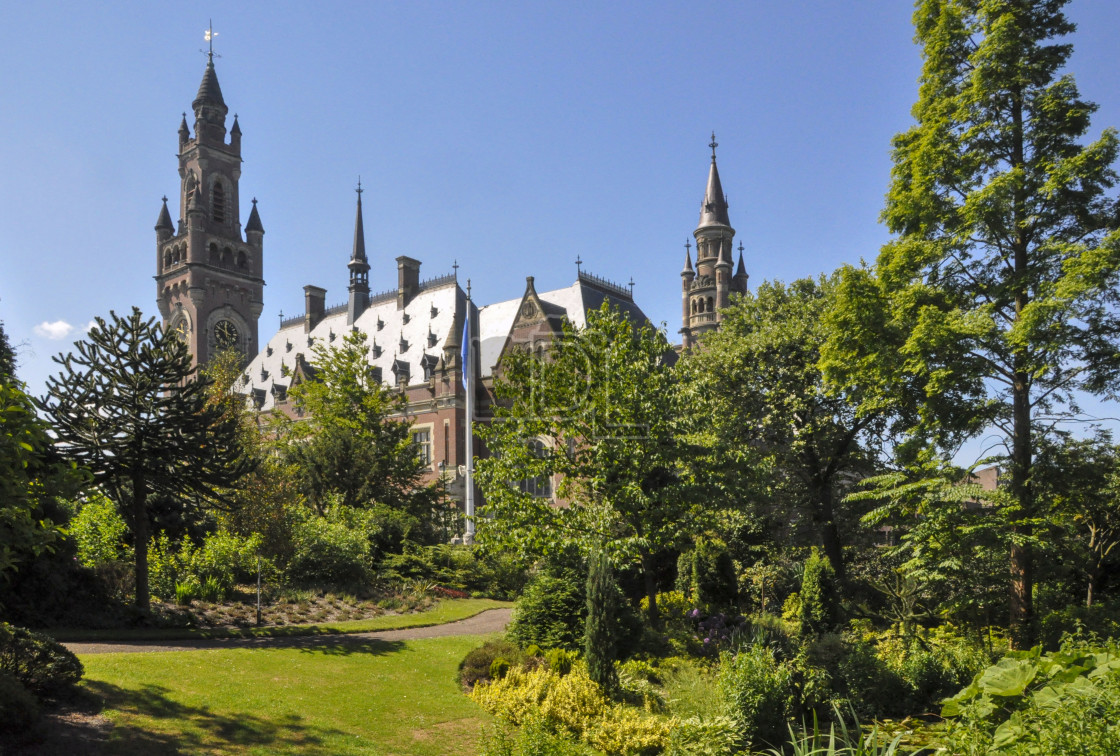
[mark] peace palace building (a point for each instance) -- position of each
(210, 288)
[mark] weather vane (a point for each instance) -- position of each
(208, 36)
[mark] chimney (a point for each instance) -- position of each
(408, 280)
(314, 302)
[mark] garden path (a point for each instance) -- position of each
(489, 621)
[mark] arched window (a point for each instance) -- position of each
(242, 260)
(710, 308)
(227, 256)
(219, 202)
(167, 258)
(213, 253)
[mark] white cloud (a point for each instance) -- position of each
(55, 331)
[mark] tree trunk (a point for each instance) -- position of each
(1022, 566)
(649, 575)
(830, 534)
(140, 536)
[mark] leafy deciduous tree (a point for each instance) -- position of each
(598, 413)
(347, 442)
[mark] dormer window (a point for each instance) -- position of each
(376, 374)
(435, 311)
(375, 350)
(403, 345)
(268, 351)
(400, 372)
(380, 324)
(432, 339)
(287, 346)
(428, 365)
(405, 317)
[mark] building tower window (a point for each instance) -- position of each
(540, 486)
(219, 201)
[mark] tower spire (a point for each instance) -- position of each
(359, 267)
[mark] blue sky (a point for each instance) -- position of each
(511, 137)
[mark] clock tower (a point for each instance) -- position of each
(209, 283)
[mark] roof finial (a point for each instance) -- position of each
(468, 289)
(579, 263)
(281, 317)
(359, 190)
(209, 37)
(455, 267)
(740, 246)
(713, 144)
(688, 246)
(631, 285)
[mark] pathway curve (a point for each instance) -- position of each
(489, 621)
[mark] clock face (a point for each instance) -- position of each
(225, 334)
(180, 330)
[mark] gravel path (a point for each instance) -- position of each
(489, 621)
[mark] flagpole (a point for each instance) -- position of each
(468, 385)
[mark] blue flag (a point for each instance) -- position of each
(466, 355)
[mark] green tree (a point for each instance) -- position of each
(128, 408)
(1003, 276)
(757, 386)
(599, 414)
(7, 356)
(345, 444)
(600, 641)
(1077, 484)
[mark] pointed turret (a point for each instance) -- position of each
(184, 133)
(209, 108)
(235, 136)
(359, 268)
(739, 282)
(687, 272)
(254, 222)
(164, 227)
(713, 210)
(209, 92)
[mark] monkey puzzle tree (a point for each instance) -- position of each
(1005, 265)
(128, 408)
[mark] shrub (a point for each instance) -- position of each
(706, 575)
(533, 650)
(98, 532)
(1029, 703)
(533, 738)
(712, 736)
(820, 598)
(477, 664)
(41, 664)
(187, 591)
(18, 708)
(550, 613)
(498, 668)
(756, 691)
(1080, 621)
(328, 553)
(560, 661)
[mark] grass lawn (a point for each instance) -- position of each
(447, 610)
(373, 697)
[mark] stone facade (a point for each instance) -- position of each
(210, 289)
(706, 290)
(209, 284)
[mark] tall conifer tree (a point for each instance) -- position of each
(1005, 267)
